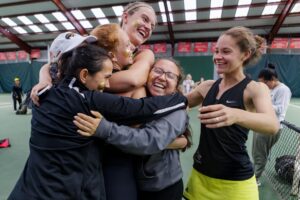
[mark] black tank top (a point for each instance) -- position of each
(222, 151)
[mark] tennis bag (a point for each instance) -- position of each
(284, 167)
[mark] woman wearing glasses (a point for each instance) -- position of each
(159, 174)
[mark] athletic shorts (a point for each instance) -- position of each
(201, 187)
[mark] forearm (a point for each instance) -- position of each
(178, 143)
(44, 75)
(259, 122)
(132, 111)
(126, 80)
(150, 139)
(136, 76)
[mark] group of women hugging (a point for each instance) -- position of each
(114, 122)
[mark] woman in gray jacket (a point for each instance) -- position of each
(159, 174)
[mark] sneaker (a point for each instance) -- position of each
(258, 183)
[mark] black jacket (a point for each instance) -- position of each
(65, 165)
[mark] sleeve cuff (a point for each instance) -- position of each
(104, 129)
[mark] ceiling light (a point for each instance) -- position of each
(68, 25)
(51, 27)
(164, 18)
(103, 21)
(189, 4)
(98, 12)
(25, 20)
(242, 12)
(171, 17)
(86, 24)
(272, 1)
(191, 15)
(244, 2)
(162, 10)
(35, 28)
(296, 8)
(118, 10)
(59, 16)
(20, 29)
(161, 6)
(269, 10)
(78, 14)
(9, 22)
(41, 18)
(215, 14)
(216, 3)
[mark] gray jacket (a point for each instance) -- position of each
(161, 168)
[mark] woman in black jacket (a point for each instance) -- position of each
(62, 164)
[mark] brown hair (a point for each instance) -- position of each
(246, 41)
(107, 35)
(131, 8)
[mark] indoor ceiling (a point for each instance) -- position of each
(268, 18)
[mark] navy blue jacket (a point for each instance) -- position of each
(65, 165)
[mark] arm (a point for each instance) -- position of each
(44, 80)
(179, 143)
(88, 125)
(153, 138)
(263, 120)
(197, 95)
(45, 74)
(135, 76)
(130, 111)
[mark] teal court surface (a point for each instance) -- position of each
(17, 129)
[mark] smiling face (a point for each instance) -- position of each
(124, 50)
(116, 41)
(139, 25)
(163, 78)
(99, 80)
(228, 56)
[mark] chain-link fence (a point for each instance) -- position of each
(283, 167)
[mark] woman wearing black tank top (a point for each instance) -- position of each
(231, 106)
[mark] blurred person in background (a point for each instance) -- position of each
(281, 96)
(188, 84)
(17, 93)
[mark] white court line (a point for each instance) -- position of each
(1, 104)
(5, 106)
(294, 105)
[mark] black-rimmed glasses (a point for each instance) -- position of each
(169, 75)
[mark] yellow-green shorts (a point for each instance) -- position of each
(201, 187)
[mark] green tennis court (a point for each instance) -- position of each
(17, 129)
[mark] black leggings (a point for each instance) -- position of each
(119, 177)
(15, 100)
(173, 192)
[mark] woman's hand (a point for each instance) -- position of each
(33, 95)
(179, 143)
(218, 115)
(87, 125)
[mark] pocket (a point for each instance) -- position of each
(152, 166)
